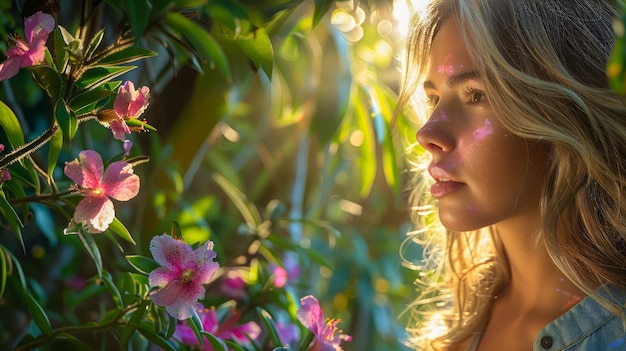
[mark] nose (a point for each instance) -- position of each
(435, 134)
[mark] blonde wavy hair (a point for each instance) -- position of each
(543, 64)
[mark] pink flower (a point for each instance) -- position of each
(128, 104)
(232, 285)
(327, 336)
(32, 51)
(118, 182)
(185, 270)
(227, 329)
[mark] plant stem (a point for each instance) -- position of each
(39, 198)
(79, 329)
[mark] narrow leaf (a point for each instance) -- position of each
(9, 214)
(66, 119)
(217, 343)
(155, 338)
(49, 80)
(60, 53)
(92, 249)
(39, 315)
(247, 209)
(271, 326)
(321, 9)
(54, 150)
(94, 43)
(127, 55)
(143, 264)
(118, 228)
(97, 76)
(133, 323)
(88, 98)
(258, 47)
(11, 126)
(3, 271)
(201, 40)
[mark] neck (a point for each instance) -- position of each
(536, 282)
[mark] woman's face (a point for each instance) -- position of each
(483, 174)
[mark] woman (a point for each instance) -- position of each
(527, 147)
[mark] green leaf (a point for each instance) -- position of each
(49, 80)
(321, 8)
(39, 315)
(54, 150)
(60, 53)
(94, 43)
(247, 209)
(217, 343)
(271, 326)
(127, 55)
(88, 98)
(196, 325)
(97, 76)
(3, 271)
(171, 326)
(8, 212)
(118, 228)
(92, 249)
(232, 346)
(115, 293)
(155, 338)
(258, 47)
(66, 119)
(11, 126)
(201, 40)
(139, 15)
(142, 263)
(133, 323)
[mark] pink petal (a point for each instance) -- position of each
(167, 295)
(311, 315)
(162, 276)
(95, 212)
(204, 273)
(139, 102)
(119, 128)
(119, 182)
(36, 53)
(170, 252)
(37, 24)
(123, 98)
(242, 332)
(183, 306)
(9, 68)
(86, 171)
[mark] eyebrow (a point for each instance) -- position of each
(454, 79)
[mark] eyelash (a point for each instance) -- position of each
(472, 92)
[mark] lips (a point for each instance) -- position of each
(445, 184)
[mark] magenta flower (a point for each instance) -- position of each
(4, 173)
(118, 182)
(327, 336)
(185, 270)
(32, 51)
(227, 329)
(128, 104)
(232, 285)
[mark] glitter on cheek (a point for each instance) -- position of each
(484, 131)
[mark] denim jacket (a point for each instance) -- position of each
(587, 326)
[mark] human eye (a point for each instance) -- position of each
(475, 96)
(431, 100)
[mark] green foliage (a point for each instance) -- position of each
(270, 134)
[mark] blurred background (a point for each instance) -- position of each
(274, 139)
